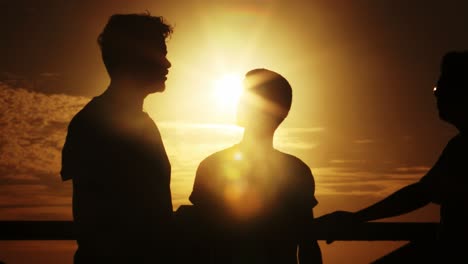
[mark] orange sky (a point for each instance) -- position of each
(363, 116)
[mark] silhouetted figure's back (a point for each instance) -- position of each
(259, 201)
(115, 156)
(256, 200)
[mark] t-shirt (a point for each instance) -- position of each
(447, 184)
(121, 180)
(257, 201)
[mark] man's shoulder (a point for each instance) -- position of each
(220, 156)
(91, 111)
(292, 161)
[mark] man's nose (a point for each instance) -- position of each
(167, 63)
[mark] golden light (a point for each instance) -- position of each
(238, 156)
(227, 90)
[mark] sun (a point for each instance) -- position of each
(226, 90)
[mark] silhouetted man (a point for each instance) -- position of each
(114, 154)
(255, 199)
(446, 183)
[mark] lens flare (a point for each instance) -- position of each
(227, 90)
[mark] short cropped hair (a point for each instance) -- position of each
(272, 88)
(125, 37)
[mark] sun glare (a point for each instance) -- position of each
(227, 90)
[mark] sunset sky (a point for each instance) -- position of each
(363, 115)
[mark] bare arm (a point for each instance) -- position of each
(410, 197)
(405, 200)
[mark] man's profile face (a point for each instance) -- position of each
(443, 97)
(153, 68)
(451, 102)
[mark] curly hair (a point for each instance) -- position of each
(125, 36)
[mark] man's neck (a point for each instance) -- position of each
(126, 95)
(254, 140)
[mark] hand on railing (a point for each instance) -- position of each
(340, 219)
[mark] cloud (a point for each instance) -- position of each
(32, 133)
(301, 130)
(292, 139)
(363, 141)
(412, 170)
(376, 179)
(341, 161)
(50, 75)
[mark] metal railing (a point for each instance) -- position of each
(371, 231)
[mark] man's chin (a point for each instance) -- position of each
(161, 89)
(157, 88)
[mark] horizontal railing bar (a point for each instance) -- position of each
(36, 230)
(371, 231)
